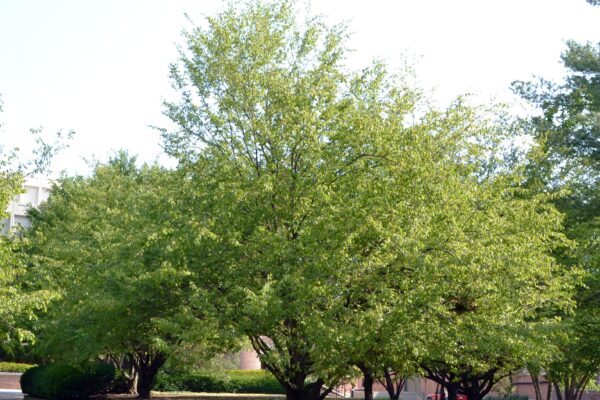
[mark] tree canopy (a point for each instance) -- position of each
(567, 162)
(320, 192)
(107, 243)
(19, 302)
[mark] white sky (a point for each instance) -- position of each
(100, 67)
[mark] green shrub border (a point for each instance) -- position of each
(15, 367)
(233, 381)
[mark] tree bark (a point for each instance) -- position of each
(476, 387)
(558, 392)
(452, 390)
(147, 364)
(297, 367)
(445, 380)
(124, 363)
(144, 388)
(535, 380)
(368, 380)
(393, 383)
(301, 391)
(573, 388)
(132, 383)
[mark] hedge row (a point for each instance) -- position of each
(15, 367)
(236, 381)
(67, 382)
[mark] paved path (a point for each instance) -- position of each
(10, 394)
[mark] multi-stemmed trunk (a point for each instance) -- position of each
(474, 386)
(296, 365)
(534, 374)
(124, 363)
(393, 383)
(478, 390)
(573, 387)
(446, 380)
(147, 364)
(300, 390)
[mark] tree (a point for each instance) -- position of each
(19, 302)
(15, 300)
(567, 162)
(108, 244)
(325, 198)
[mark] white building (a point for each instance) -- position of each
(36, 191)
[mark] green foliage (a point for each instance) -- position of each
(30, 380)
(20, 302)
(258, 381)
(67, 382)
(569, 129)
(110, 245)
(15, 367)
(337, 206)
(567, 162)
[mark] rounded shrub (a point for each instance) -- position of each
(59, 381)
(67, 382)
(30, 381)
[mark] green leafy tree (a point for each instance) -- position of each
(19, 302)
(448, 306)
(108, 244)
(329, 200)
(567, 162)
(16, 301)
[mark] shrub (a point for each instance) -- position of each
(67, 382)
(509, 397)
(255, 381)
(59, 381)
(235, 381)
(15, 367)
(30, 381)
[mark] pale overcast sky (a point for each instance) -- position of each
(100, 67)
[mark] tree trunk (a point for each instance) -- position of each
(297, 367)
(292, 394)
(147, 364)
(144, 387)
(558, 392)
(477, 387)
(367, 382)
(573, 388)
(535, 380)
(582, 387)
(393, 383)
(300, 391)
(132, 383)
(452, 391)
(126, 366)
